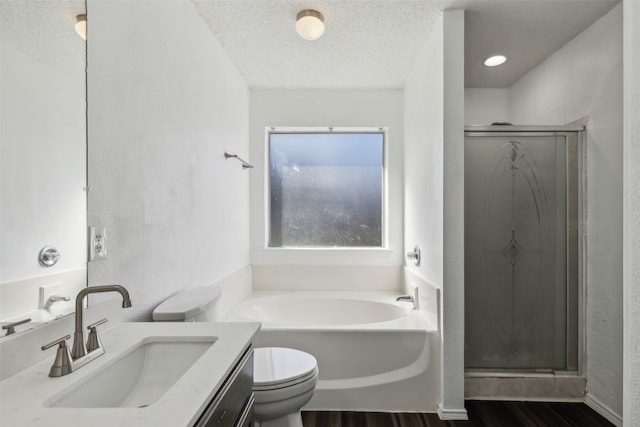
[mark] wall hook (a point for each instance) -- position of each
(245, 165)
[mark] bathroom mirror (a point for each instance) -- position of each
(42, 160)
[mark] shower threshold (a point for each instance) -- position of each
(552, 386)
(482, 372)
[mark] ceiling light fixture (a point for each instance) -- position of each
(81, 26)
(310, 24)
(494, 61)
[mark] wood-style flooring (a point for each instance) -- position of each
(481, 414)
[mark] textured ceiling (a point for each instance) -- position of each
(374, 43)
(367, 43)
(43, 30)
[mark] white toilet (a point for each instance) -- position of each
(284, 379)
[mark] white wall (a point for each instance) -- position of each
(584, 80)
(452, 404)
(485, 106)
(434, 205)
(164, 104)
(374, 269)
(423, 163)
(42, 168)
(631, 406)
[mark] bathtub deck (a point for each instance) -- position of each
(481, 413)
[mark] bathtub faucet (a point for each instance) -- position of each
(408, 298)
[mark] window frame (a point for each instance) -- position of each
(270, 130)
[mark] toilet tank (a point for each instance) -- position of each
(190, 305)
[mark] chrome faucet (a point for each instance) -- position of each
(79, 349)
(411, 298)
(54, 299)
(408, 298)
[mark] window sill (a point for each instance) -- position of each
(325, 256)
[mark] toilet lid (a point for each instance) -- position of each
(277, 366)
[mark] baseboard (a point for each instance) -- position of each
(602, 409)
(452, 414)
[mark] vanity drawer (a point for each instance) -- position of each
(232, 406)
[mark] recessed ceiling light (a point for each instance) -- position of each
(310, 24)
(494, 61)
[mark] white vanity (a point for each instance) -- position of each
(152, 374)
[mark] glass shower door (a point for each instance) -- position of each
(516, 292)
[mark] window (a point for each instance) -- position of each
(326, 188)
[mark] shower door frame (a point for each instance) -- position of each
(580, 332)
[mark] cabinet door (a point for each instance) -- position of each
(232, 406)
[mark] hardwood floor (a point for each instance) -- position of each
(481, 414)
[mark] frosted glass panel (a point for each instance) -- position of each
(515, 252)
(326, 189)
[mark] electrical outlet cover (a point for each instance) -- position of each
(97, 243)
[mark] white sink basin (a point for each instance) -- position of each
(138, 377)
(189, 361)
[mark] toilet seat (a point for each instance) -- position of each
(270, 387)
(277, 368)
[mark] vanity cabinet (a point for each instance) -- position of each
(232, 405)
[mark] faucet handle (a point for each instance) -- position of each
(60, 341)
(62, 363)
(415, 255)
(98, 323)
(11, 327)
(93, 341)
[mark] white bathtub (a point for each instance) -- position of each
(373, 353)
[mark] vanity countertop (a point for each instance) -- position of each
(23, 396)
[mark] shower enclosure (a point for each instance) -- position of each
(522, 295)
